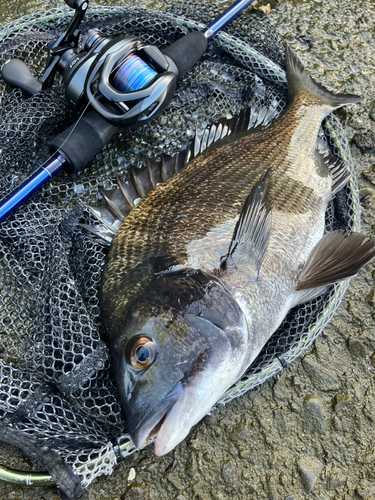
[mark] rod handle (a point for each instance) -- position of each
(83, 140)
(186, 51)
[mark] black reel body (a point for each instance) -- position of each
(124, 80)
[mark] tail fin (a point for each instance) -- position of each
(299, 79)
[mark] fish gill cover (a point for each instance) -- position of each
(58, 402)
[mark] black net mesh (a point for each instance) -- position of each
(56, 384)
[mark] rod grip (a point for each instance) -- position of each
(186, 51)
(91, 133)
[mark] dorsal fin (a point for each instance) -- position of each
(141, 179)
(336, 257)
(115, 202)
(253, 227)
(123, 198)
(107, 227)
(128, 191)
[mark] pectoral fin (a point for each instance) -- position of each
(252, 230)
(336, 257)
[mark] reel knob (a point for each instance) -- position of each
(17, 74)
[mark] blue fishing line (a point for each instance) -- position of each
(133, 74)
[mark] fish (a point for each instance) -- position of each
(211, 254)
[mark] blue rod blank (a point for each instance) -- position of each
(225, 18)
(28, 187)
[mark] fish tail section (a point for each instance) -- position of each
(300, 81)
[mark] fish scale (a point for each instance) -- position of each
(207, 265)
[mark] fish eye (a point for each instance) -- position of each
(140, 352)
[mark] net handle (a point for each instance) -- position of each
(23, 478)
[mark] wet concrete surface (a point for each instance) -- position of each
(310, 432)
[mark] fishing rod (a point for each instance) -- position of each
(124, 81)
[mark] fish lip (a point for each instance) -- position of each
(144, 430)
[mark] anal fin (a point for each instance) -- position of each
(304, 296)
(336, 257)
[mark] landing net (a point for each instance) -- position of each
(58, 402)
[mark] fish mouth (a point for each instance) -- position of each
(215, 367)
(183, 407)
(152, 423)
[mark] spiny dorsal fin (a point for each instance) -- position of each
(154, 173)
(141, 181)
(107, 227)
(128, 191)
(123, 198)
(249, 118)
(336, 257)
(253, 227)
(115, 202)
(299, 80)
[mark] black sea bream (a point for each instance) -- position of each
(206, 266)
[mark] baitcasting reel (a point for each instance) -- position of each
(125, 81)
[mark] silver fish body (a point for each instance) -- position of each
(206, 266)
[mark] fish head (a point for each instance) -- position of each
(178, 349)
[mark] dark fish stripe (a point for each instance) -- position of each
(291, 196)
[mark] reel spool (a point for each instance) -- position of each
(133, 74)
